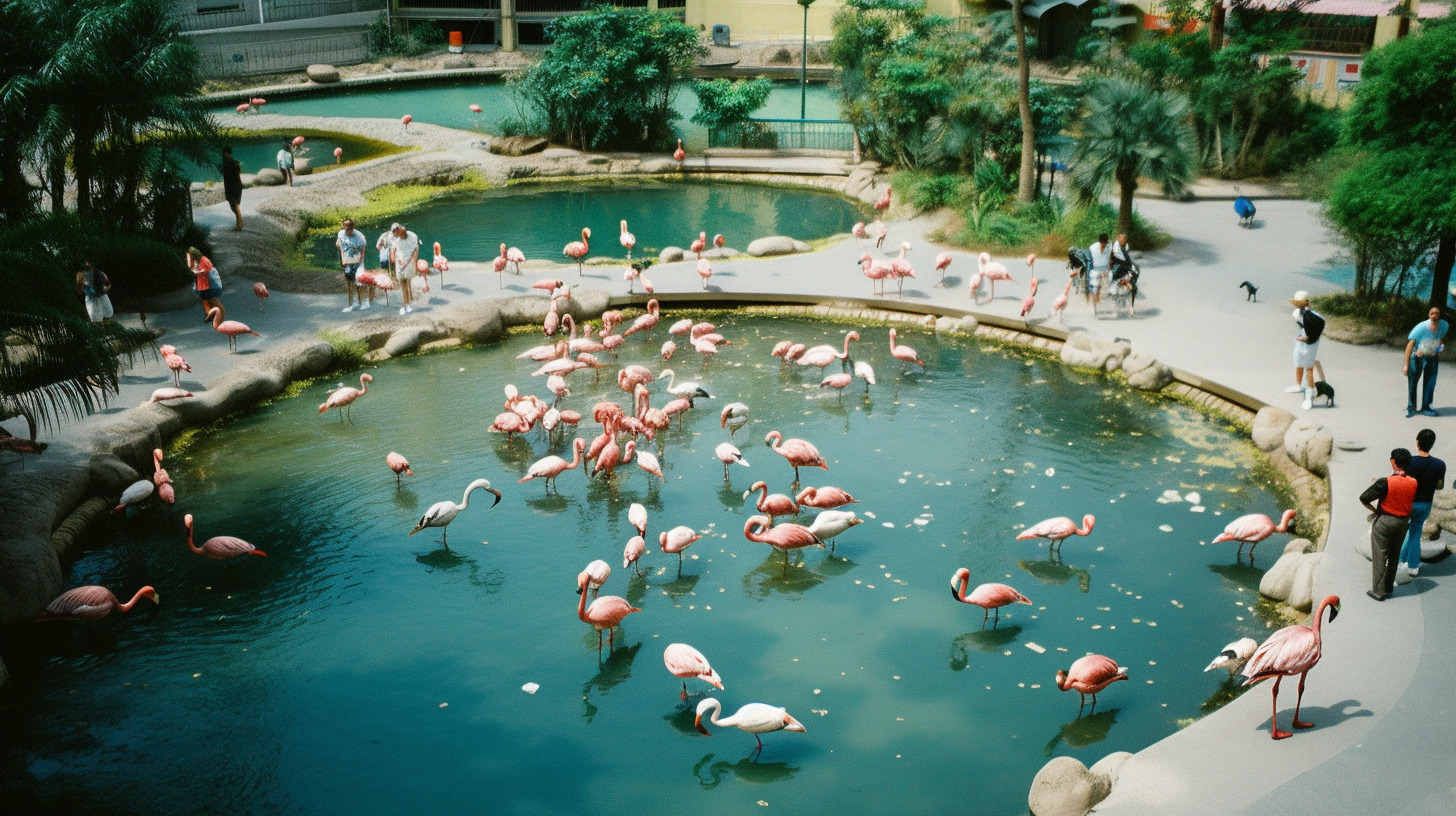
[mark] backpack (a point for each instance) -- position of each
(1314, 325)
(1079, 258)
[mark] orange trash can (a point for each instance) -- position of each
(457, 42)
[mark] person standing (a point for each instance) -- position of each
(351, 258)
(1390, 500)
(1423, 358)
(1101, 254)
(405, 252)
(385, 245)
(1430, 475)
(1310, 325)
(1123, 270)
(285, 161)
(232, 185)
(207, 282)
(93, 285)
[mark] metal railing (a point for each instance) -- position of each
(451, 5)
(786, 134)
(273, 56)
(224, 14)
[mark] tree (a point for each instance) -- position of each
(607, 81)
(725, 104)
(1027, 190)
(1131, 131)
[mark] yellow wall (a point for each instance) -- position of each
(759, 20)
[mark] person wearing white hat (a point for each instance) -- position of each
(1306, 347)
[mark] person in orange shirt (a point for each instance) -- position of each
(1389, 500)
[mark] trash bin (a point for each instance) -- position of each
(457, 42)
(720, 35)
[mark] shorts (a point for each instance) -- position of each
(350, 270)
(1304, 354)
(210, 293)
(1094, 282)
(405, 273)
(99, 308)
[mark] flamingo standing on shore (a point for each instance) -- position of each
(1089, 675)
(754, 718)
(231, 328)
(679, 155)
(344, 396)
(1290, 651)
(975, 287)
(876, 270)
(992, 271)
(166, 394)
(729, 454)
(859, 233)
(627, 239)
(772, 505)
(880, 231)
(1059, 529)
(399, 465)
(405, 120)
(685, 662)
(499, 267)
(884, 202)
(799, 452)
(1252, 529)
(1029, 301)
(338, 155)
(260, 291)
(902, 268)
(549, 467)
(442, 513)
(92, 603)
(440, 264)
(783, 536)
(220, 548)
(705, 271)
(516, 258)
(605, 613)
(576, 250)
(699, 244)
(942, 263)
(1060, 304)
(176, 362)
(904, 354)
(986, 596)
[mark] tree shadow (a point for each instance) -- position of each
(990, 641)
(748, 769)
(1083, 731)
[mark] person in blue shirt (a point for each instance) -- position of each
(1423, 358)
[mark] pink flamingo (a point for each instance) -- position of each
(993, 271)
(1059, 529)
(405, 120)
(904, 354)
(232, 328)
(729, 454)
(859, 233)
(442, 513)
(772, 505)
(162, 479)
(344, 396)
(733, 416)
(1060, 304)
(975, 287)
(668, 349)
(92, 603)
(244, 107)
(798, 452)
(647, 461)
(1233, 656)
(1029, 301)
(986, 596)
(384, 283)
(942, 263)
(637, 517)
(783, 536)
(440, 264)
(1290, 651)
(1252, 529)
(884, 202)
(684, 662)
(753, 718)
(705, 271)
(679, 155)
(876, 270)
(605, 613)
(260, 291)
(718, 241)
(902, 268)
(552, 321)
(220, 548)
(423, 270)
(1089, 675)
(645, 322)
(167, 394)
(676, 540)
(338, 155)
(699, 244)
(499, 267)
(824, 498)
(548, 285)
(176, 362)
(823, 355)
(627, 239)
(550, 467)
(880, 231)
(838, 381)
(636, 546)
(399, 465)
(477, 110)
(596, 574)
(576, 250)
(258, 102)
(516, 257)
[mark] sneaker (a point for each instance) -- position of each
(402, 311)
(1308, 400)
(1410, 412)
(348, 309)
(1294, 389)
(409, 310)
(1372, 594)
(1413, 572)
(364, 306)
(1428, 412)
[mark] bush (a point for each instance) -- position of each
(137, 265)
(1393, 313)
(927, 191)
(140, 266)
(1081, 226)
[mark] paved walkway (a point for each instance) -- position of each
(1384, 698)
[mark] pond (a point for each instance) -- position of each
(449, 105)
(357, 670)
(540, 220)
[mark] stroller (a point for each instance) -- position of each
(1079, 260)
(1124, 288)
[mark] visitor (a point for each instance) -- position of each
(1389, 500)
(1423, 358)
(92, 285)
(1430, 475)
(1124, 273)
(405, 252)
(385, 245)
(285, 161)
(208, 283)
(1101, 254)
(351, 257)
(1306, 347)
(232, 185)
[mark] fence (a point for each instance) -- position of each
(276, 56)
(786, 134)
(212, 14)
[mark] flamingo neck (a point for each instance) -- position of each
(576, 453)
(190, 546)
(126, 607)
(965, 583)
(581, 602)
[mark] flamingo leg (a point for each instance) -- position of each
(1274, 731)
(1299, 699)
(1240, 552)
(611, 640)
(685, 691)
(985, 614)
(445, 537)
(599, 644)
(1081, 705)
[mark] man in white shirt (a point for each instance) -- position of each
(405, 251)
(1101, 254)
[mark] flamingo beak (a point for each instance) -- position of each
(497, 495)
(1334, 610)
(698, 724)
(791, 724)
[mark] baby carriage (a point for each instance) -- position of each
(1124, 286)
(1079, 260)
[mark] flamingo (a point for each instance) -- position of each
(824, 498)
(975, 287)
(260, 291)
(1252, 529)
(986, 596)
(605, 613)
(440, 264)
(733, 417)
(754, 718)
(232, 328)
(244, 107)
(823, 355)
(729, 454)
(645, 322)
(552, 321)
(942, 263)
(162, 479)
(630, 275)
(699, 244)
(831, 523)
(676, 540)
(865, 372)
(902, 268)
(596, 573)
(477, 110)
(705, 271)
(648, 462)
(859, 233)
(548, 285)
(135, 493)
(1060, 304)
(838, 381)
(879, 230)
(220, 548)
(636, 546)
(884, 202)
(783, 536)
(92, 603)
(904, 354)
(299, 140)
(668, 349)
(176, 363)
(771, 505)
(516, 258)
(384, 283)
(550, 467)
(992, 271)
(679, 154)
(399, 465)
(628, 239)
(798, 452)
(687, 388)
(1234, 655)
(637, 517)
(423, 270)
(1290, 651)
(1089, 675)
(442, 513)
(683, 661)
(405, 120)
(168, 394)
(718, 241)
(344, 396)
(1059, 529)
(576, 250)
(338, 155)
(1030, 300)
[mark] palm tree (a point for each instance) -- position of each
(1027, 190)
(1129, 132)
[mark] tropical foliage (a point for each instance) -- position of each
(726, 106)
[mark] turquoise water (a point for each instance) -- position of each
(449, 105)
(540, 220)
(356, 670)
(258, 154)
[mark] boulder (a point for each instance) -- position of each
(776, 245)
(1065, 787)
(408, 338)
(268, 177)
(302, 167)
(1301, 589)
(719, 253)
(1146, 373)
(671, 254)
(1270, 424)
(1278, 581)
(322, 74)
(456, 62)
(967, 325)
(478, 321)
(517, 145)
(109, 474)
(1081, 351)
(1309, 445)
(1110, 765)
(249, 179)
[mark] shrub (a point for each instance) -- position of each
(1393, 313)
(928, 191)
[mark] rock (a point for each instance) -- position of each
(1081, 351)
(1309, 446)
(1355, 332)
(408, 338)
(109, 474)
(268, 177)
(776, 245)
(249, 179)
(322, 74)
(1278, 581)
(302, 167)
(456, 62)
(670, 254)
(947, 324)
(1270, 424)
(719, 254)
(1146, 373)
(517, 145)
(1301, 589)
(1065, 787)
(967, 325)
(1110, 765)
(478, 321)
(1444, 500)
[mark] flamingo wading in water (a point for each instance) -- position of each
(798, 452)
(92, 603)
(442, 513)
(1089, 675)
(1290, 651)
(685, 662)
(754, 718)
(399, 465)
(1057, 530)
(1252, 529)
(986, 596)
(605, 613)
(344, 396)
(220, 548)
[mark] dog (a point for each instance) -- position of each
(1324, 389)
(1253, 291)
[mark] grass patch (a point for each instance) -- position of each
(356, 148)
(388, 202)
(348, 353)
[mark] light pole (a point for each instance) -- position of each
(804, 62)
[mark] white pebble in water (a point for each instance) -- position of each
(1167, 528)
(1193, 498)
(531, 688)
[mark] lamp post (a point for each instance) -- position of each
(804, 62)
